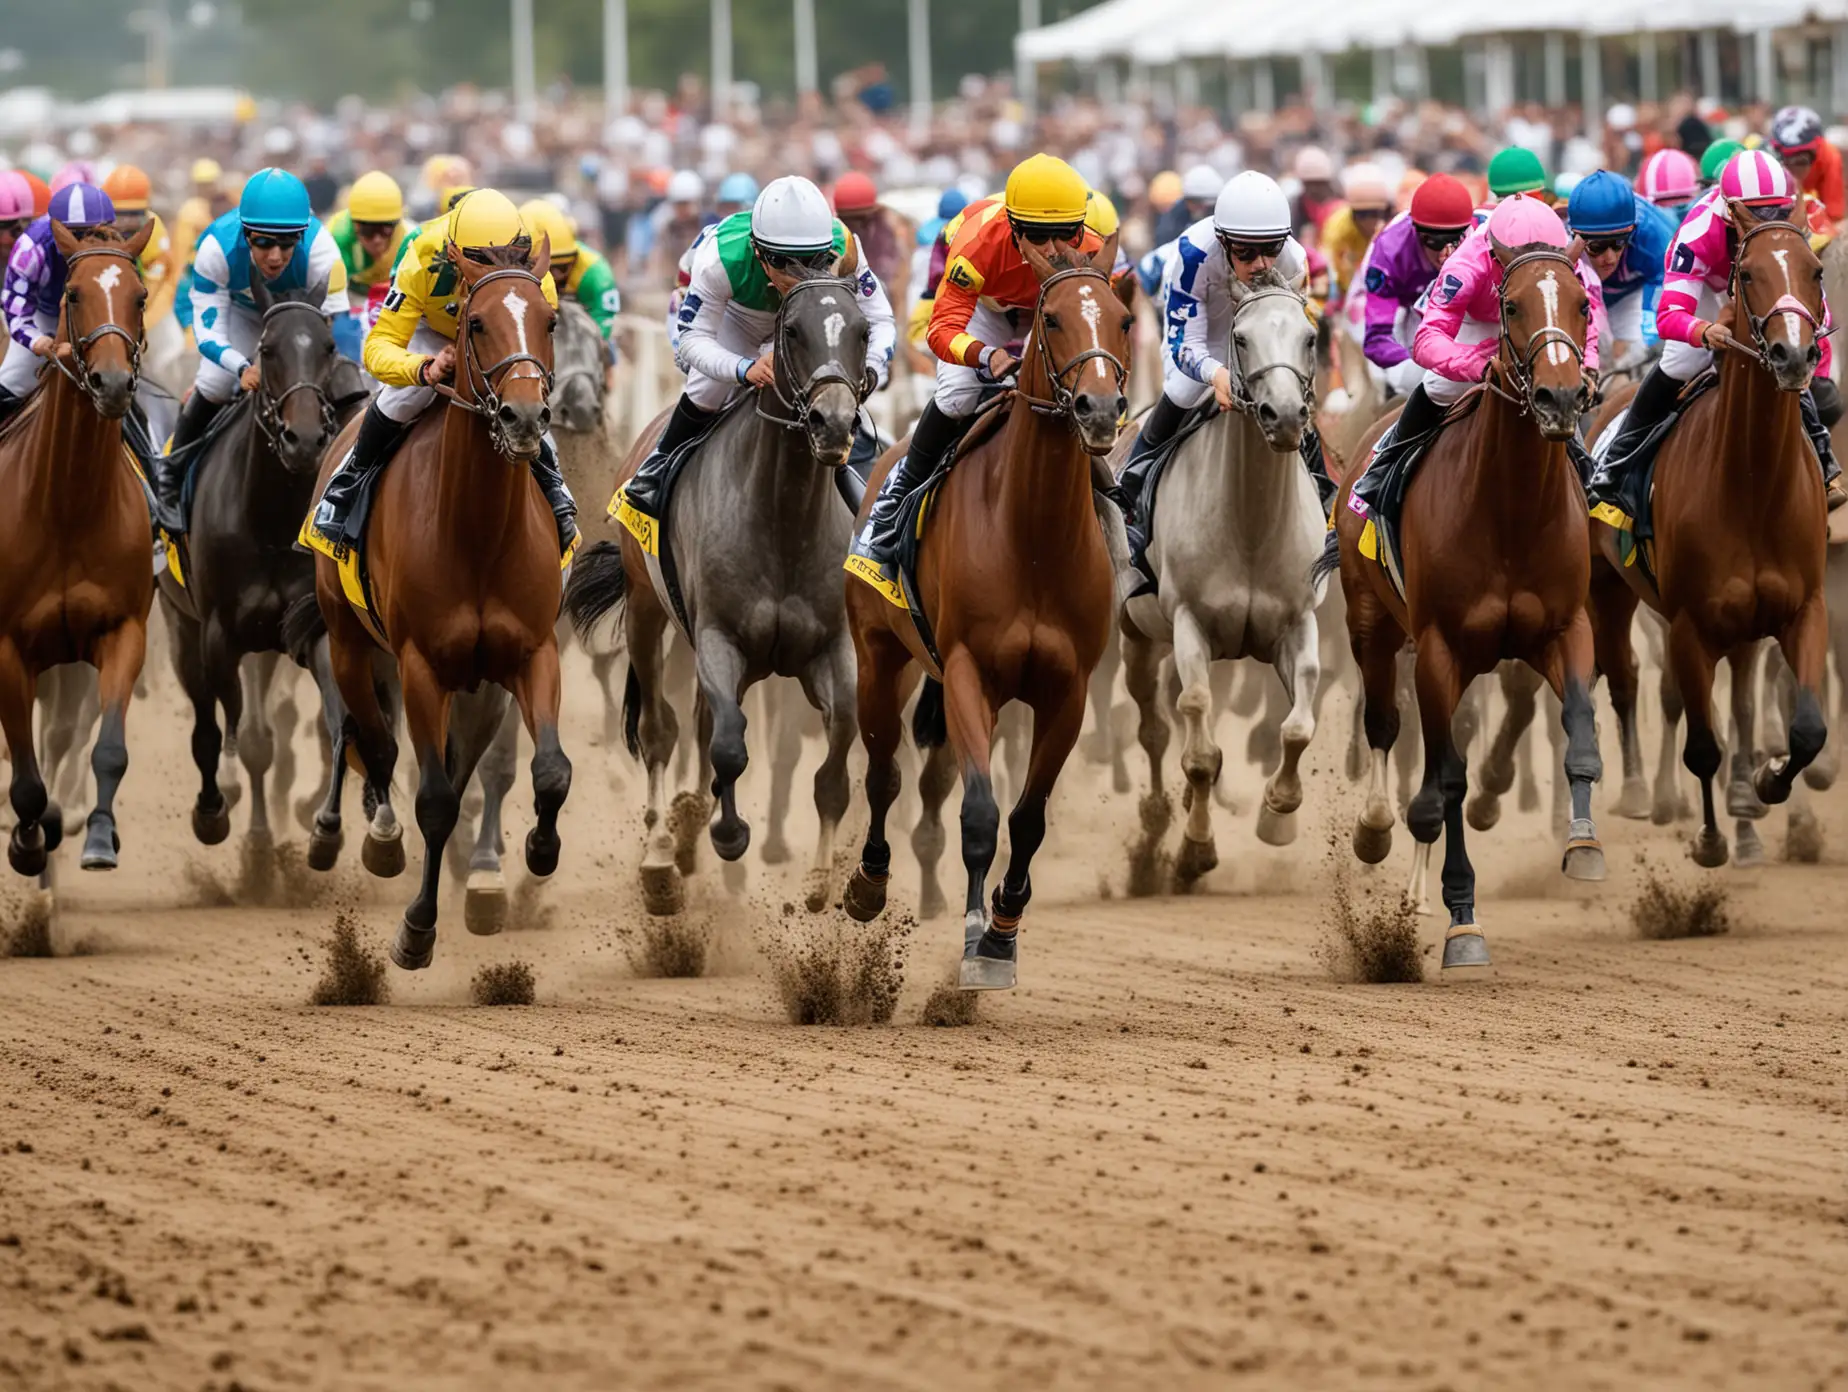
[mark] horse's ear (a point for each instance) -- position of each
(1799, 214)
(1236, 289)
(317, 293)
(260, 293)
(1125, 287)
(1037, 261)
(464, 267)
(848, 267)
(1502, 254)
(65, 238)
(541, 263)
(1741, 220)
(1105, 260)
(1575, 249)
(139, 242)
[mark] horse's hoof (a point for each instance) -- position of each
(1744, 801)
(1708, 848)
(686, 818)
(232, 793)
(1276, 828)
(211, 827)
(731, 839)
(484, 908)
(931, 903)
(541, 853)
(663, 893)
(1803, 838)
(865, 897)
(1356, 765)
(53, 822)
(100, 845)
(1483, 812)
(27, 854)
(1465, 947)
(1667, 809)
(816, 898)
(1634, 804)
(991, 963)
(383, 857)
(1820, 776)
(1772, 790)
(1748, 850)
(1197, 858)
(775, 850)
(413, 948)
(1372, 844)
(324, 848)
(1584, 860)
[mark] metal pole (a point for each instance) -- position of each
(1710, 64)
(1646, 79)
(1026, 75)
(1591, 68)
(1382, 74)
(1315, 81)
(1838, 69)
(721, 57)
(1263, 85)
(1766, 86)
(1555, 69)
(525, 83)
(808, 66)
(920, 66)
(615, 58)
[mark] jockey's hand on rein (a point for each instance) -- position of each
(1222, 388)
(43, 345)
(441, 366)
(762, 373)
(251, 377)
(1001, 364)
(1717, 336)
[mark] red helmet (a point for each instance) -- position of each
(1442, 202)
(854, 193)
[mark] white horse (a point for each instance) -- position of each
(1236, 526)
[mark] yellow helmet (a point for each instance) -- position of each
(486, 218)
(544, 218)
(1100, 215)
(206, 171)
(1046, 192)
(375, 197)
(446, 171)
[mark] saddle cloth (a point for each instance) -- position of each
(1379, 537)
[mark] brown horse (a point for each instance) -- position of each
(463, 557)
(1496, 562)
(74, 529)
(1740, 521)
(1016, 584)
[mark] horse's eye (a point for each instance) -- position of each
(474, 323)
(1052, 323)
(141, 300)
(1129, 323)
(327, 350)
(1745, 277)
(1585, 309)
(552, 324)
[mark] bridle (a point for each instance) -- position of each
(269, 407)
(484, 396)
(797, 398)
(1061, 397)
(80, 347)
(1242, 401)
(1759, 348)
(1520, 365)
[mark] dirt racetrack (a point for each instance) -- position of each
(1180, 1155)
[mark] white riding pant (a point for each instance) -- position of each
(745, 332)
(406, 404)
(1441, 389)
(959, 388)
(19, 372)
(1626, 321)
(1397, 380)
(243, 327)
(1683, 361)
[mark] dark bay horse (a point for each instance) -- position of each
(253, 486)
(463, 556)
(75, 582)
(1496, 560)
(1740, 520)
(1017, 585)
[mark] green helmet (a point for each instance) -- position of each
(1714, 160)
(1516, 170)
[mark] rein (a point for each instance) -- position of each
(484, 398)
(1520, 368)
(1759, 347)
(80, 377)
(269, 407)
(1060, 396)
(797, 398)
(1242, 401)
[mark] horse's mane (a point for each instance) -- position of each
(513, 257)
(1272, 279)
(101, 232)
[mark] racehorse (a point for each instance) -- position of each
(756, 529)
(1015, 581)
(1496, 560)
(1234, 530)
(253, 484)
(75, 584)
(1740, 522)
(462, 552)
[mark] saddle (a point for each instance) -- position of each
(179, 550)
(1621, 489)
(1387, 476)
(1141, 480)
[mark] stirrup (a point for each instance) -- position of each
(1836, 495)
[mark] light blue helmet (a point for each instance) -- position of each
(738, 188)
(275, 201)
(1601, 202)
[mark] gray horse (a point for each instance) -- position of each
(1236, 528)
(757, 528)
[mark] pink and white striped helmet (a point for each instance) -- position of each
(1753, 177)
(15, 196)
(1669, 177)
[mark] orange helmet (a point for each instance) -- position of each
(41, 193)
(128, 188)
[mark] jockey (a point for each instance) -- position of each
(1461, 330)
(15, 213)
(1517, 169)
(1247, 235)
(736, 193)
(413, 346)
(1700, 264)
(273, 234)
(34, 289)
(370, 233)
(129, 190)
(1200, 186)
(579, 272)
(1671, 180)
(1351, 228)
(1796, 136)
(740, 270)
(1626, 241)
(988, 293)
(1400, 268)
(1315, 171)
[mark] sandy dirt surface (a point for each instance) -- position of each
(1180, 1155)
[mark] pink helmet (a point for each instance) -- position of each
(1669, 176)
(1519, 222)
(15, 195)
(76, 172)
(1752, 176)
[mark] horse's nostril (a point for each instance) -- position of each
(508, 416)
(1267, 413)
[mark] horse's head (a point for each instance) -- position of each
(1545, 315)
(1079, 347)
(296, 352)
(577, 389)
(820, 348)
(504, 342)
(1777, 291)
(1273, 357)
(103, 300)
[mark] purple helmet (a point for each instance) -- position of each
(82, 205)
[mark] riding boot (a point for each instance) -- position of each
(1317, 465)
(643, 491)
(170, 469)
(551, 481)
(10, 406)
(933, 437)
(1822, 400)
(850, 479)
(378, 438)
(1158, 427)
(1418, 419)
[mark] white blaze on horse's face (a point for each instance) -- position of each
(111, 276)
(516, 306)
(1092, 313)
(834, 325)
(1789, 316)
(1549, 297)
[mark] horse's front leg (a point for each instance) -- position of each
(721, 668)
(829, 685)
(536, 688)
(370, 731)
(211, 815)
(1201, 759)
(1569, 669)
(1806, 648)
(1142, 675)
(325, 837)
(1375, 639)
(485, 903)
(426, 711)
(969, 717)
(1692, 663)
(880, 662)
(651, 729)
(1613, 610)
(1518, 686)
(118, 656)
(1299, 668)
(785, 721)
(33, 838)
(1670, 801)
(1741, 801)
(1440, 684)
(257, 747)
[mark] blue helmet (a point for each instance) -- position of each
(275, 201)
(82, 205)
(1602, 202)
(953, 201)
(738, 188)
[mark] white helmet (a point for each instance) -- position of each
(685, 187)
(1252, 206)
(1313, 165)
(792, 215)
(1201, 182)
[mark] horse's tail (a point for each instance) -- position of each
(1329, 561)
(928, 726)
(597, 586)
(302, 627)
(632, 714)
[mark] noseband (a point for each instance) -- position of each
(1759, 348)
(484, 397)
(797, 398)
(1061, 395)
(269, 407)
(1242, 401)
(80, 347)
(1520, 367)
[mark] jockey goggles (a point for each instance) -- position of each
(1363, 214)
(1439, 238)
(374, 229)
(1245, 250)
(1770, 212)
(785, 260)
(15, 226)
(1610, 241)
(1041, 233)
(272, 241)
